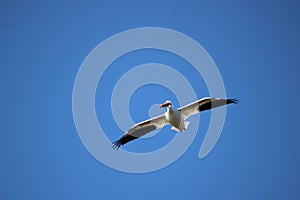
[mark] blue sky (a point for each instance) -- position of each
(255, 46)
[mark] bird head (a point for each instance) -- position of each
(168, 103)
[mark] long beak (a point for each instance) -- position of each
(164, 105)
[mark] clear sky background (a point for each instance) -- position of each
(256, 47)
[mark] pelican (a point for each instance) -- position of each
(175, 117)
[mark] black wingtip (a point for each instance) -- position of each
(116, 144)
(235, 100)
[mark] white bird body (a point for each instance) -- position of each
(175, 117)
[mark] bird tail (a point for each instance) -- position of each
(182, 128)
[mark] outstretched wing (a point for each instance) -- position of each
(140, 129)
(204, 104)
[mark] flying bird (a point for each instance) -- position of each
(175, 117)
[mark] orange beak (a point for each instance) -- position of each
(164, 105)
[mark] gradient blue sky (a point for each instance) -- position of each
(255, 46)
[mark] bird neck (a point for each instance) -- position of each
(169, 109)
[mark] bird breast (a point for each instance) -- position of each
(173, 117)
